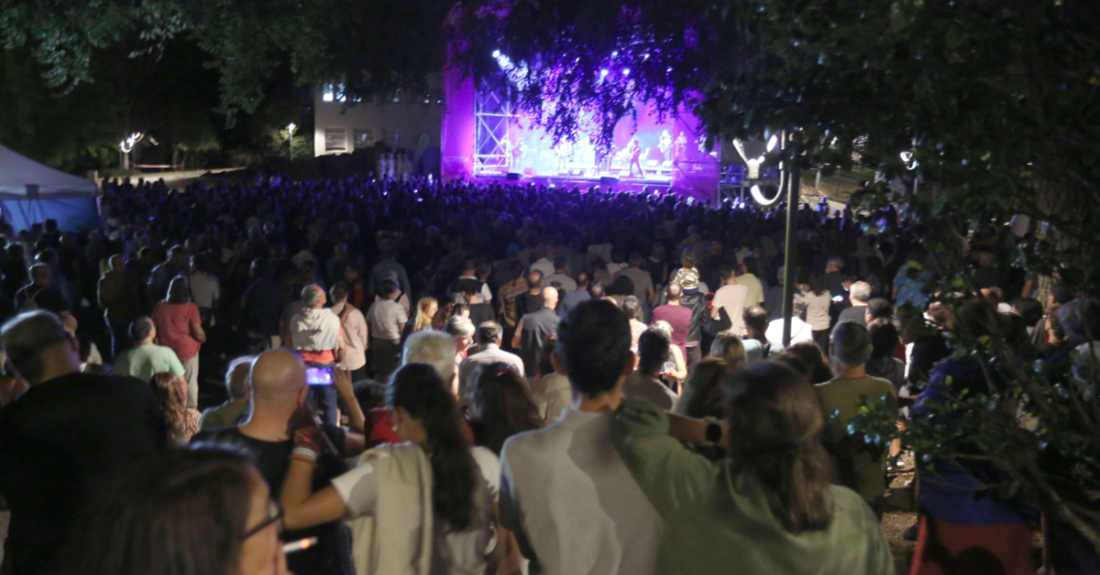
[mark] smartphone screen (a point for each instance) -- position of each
(319, 375)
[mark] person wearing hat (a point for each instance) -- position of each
(694, 298)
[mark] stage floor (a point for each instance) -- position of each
(634, 185)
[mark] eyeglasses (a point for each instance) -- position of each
(274, 515)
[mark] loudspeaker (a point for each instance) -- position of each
(609, 181)
(513, 176)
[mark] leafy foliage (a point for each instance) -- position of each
(997, 101)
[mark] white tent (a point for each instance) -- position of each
(31, 193)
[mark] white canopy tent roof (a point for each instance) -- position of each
(31, 193)
(21, 177)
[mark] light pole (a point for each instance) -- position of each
(290, 139)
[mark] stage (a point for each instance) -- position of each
(486, 138)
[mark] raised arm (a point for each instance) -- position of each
(301, 507)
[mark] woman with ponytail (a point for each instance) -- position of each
(431, 498)
(769, 506)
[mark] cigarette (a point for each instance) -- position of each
(299, 545)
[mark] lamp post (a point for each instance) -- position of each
(290, 139)
(790, 256)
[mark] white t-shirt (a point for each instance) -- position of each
(565, 491)
(456, 553)
(732, 299)
(204, 290)
(800, 331)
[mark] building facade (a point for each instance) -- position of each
(341, 126)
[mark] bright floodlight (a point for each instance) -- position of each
(615, 53)
(291, 127)
(604, 72)
(496, 53)
(909, 161)
(772, 142)
(626, 71)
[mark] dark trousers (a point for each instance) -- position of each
(821, 338)
(119, 330)
(385, 356)
(324, 398)
(694, 354)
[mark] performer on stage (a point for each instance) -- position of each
(506, 146)
(681, 147)
(564, 150)
(665, 145)
(634, 150)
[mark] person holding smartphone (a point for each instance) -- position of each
(316, 333)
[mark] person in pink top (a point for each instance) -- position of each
(179, 327)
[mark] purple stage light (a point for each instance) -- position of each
(604, 72)
(626, 71)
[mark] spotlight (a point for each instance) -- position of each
(669, 70)
(626, 71)
(604, 72)
(615, 53)
(496, 53)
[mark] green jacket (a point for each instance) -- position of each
(717, 521)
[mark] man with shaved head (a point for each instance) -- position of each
(279, 391)
(533, 329)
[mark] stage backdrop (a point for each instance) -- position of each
(485, 138)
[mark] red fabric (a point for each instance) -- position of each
(326, 356)
(899, 352)
(380, 428)
(945, 548)
(679, 317)
(357, 296)
(173, 322)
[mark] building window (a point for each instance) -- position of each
(336, 140)
(363, 137)
(332, 93)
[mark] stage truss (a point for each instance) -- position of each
(492, 116)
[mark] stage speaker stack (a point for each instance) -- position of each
(609, 181)
(513, 176)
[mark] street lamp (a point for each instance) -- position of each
(290, 139)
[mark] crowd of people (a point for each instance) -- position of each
(428, 378)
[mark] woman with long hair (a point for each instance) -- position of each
(426, 309)
(677, 372)
(431, 497)
(183, 421)
(500, 406)
(704, 395)
(179, 327)
(770, 507)
(204, 511)
(727, 346)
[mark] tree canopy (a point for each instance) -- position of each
(974, 111)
